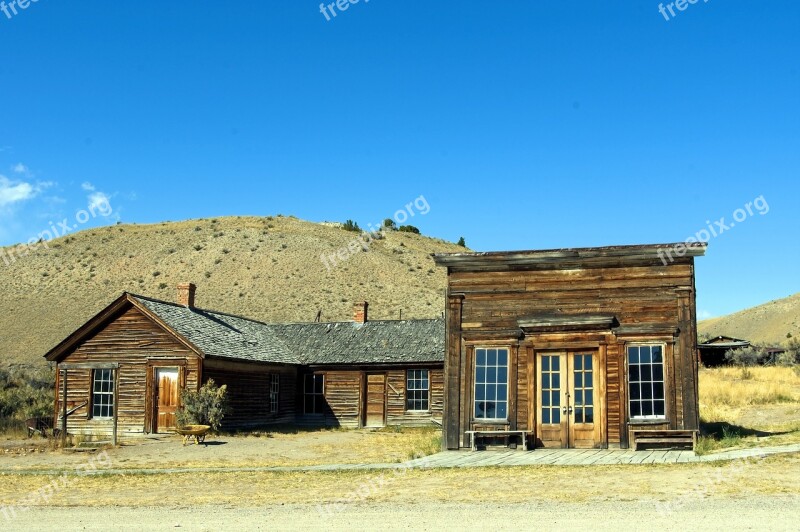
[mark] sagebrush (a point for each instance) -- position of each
(206, 406)
(25, 393)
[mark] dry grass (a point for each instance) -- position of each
(747, 408)
(265, 268)
(652, 483)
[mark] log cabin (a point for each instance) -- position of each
(571, 348)
(123, 371)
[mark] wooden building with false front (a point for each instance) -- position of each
(121, 374)
(586, 348)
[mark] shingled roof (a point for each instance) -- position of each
(374, 342)
(222, 335)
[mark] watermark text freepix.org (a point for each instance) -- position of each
(681, 5)
(329, 11)
(56, 230)
(716, 229)
(10, 9)
(364, 240)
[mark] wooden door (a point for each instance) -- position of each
(567, 404)
(375, 411)
(167, 398)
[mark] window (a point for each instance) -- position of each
(646, 381)
(417, 390)
(274, 392)
(491, 383)
(103, 393)
(314, 394)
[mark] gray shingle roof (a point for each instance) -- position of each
(375, 342)
(222, 335)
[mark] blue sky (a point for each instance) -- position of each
(524, 125)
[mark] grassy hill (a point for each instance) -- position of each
(768, 323)
(265, 268)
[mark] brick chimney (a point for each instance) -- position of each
(360, 312)
(186, 294)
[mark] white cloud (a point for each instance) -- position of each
(99, 203)
(87, 186)
(704, 315)
(15, 191)
(20, 168)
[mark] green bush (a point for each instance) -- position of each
(207, 406)
(350, 225)
(461, 242)
(746, 356)
(388, 223)
(26, 393)
(409, 229)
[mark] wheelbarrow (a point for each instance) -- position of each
(196, 432)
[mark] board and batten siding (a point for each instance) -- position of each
(248, 391)
(489, 302)
(130, 340)
(345, 396)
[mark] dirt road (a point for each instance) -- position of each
(752, 513)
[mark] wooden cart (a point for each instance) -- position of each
(198, 432)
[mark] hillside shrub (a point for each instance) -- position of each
(206, 406)
(350, 225)
(25, 393)
(409, 229)
(461, 242)
(390, 224)
(746, 356)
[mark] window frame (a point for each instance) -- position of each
(274, 393)
(108, 394)
(497, 382)
(312, 394)
(427, 390)
(649, 418)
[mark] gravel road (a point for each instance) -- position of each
(752, 513)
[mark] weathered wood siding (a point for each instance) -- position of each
(249, 391)
(131, 340)
(345, 394)
(488, 302)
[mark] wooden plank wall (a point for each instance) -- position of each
(646, 293)
(344, 395)
(248, 392)
(130, 340)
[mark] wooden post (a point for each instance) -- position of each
(64, 409)
(116, 406)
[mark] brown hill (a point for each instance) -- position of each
(264, 268)
(768, 323)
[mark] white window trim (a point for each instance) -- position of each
(475, 382)
(274, 393)
(104, 394)
(653, 417)
(427, 390)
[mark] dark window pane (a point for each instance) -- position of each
(658, 373)
(480, 357)
(501, 409)
(545, 398)
(589, 412)
(578, 397)
(657, 356)
(556, 398)
(589, 398)
(587, 363)
(644, 355)
(491, 392)
(635, 390)
(578, 359)
(491, 408)
(546, 381)
(556, 416)
(502, 357)
(647, 408)
(556, 381)
(659, 408)
(578, 379)
(502, 375)
(546, 363)
(633, 355)
(480, 392)
(502, 392)
(634, 373)
(658, 390)
(556, 363)
(491, 375)
(546, 416)
(480, 375)
(588, 380)
(647, 391)
(491, 357)
(646, 373)
(636, 409)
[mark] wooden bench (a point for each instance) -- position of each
(681, 438)
(475, 434)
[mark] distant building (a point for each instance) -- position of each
(712, 352)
